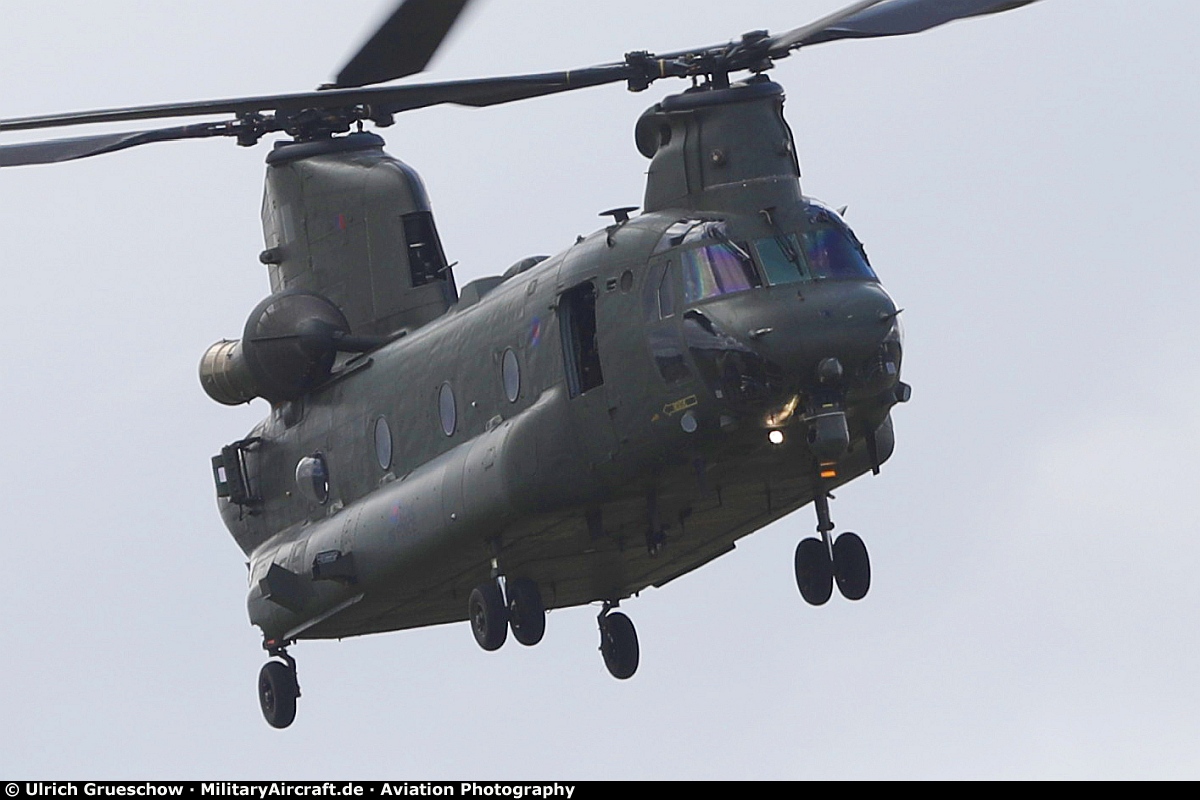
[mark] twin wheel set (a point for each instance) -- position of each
(494, 609)
(819, 562)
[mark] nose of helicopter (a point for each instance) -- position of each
(798, 326)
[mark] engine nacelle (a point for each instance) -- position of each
(287, 349)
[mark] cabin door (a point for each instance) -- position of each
(588, 397)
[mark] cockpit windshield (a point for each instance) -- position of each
(825, 250)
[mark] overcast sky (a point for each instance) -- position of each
(1028, 187)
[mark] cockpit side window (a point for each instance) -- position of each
(666, 294)
(831, 248)
(716, 269)
(650, 282)
(831, 253)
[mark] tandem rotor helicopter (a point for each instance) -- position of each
(575, 430)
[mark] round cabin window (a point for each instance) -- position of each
(447, 411)
(383, 443)
(511, 372)
(312, 478)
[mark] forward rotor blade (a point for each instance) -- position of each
(403, 45)
(892, 18)
(14, 155)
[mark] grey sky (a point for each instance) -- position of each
(1028, 187)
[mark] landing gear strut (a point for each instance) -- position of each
(618, 642)
(820, 561)
(278, 687)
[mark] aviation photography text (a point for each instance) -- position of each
(265, 789)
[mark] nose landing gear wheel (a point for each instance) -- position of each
(526, 613)
(488, 615)
(851, 566)
(619, 645)
(277, 693)
(814, 571)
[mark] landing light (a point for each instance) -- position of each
(784, 414)
(776, 437)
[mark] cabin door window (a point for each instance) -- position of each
(581, 354)
(233, 473)
(425, 256)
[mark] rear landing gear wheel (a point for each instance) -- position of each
(526, 613)
(277, 693)
(488, 615)
(851, 566)
(814, 571)
(619, 645)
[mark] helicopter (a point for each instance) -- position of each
(579, 428)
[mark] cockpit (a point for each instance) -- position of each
(712, 264)
(744, 350)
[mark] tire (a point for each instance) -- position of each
(277, 694)
(851, 566)
(526, 613)
(488, 616)
(814, 572)
(619, 645)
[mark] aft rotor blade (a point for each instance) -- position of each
(14, 155)
(403, 45)
(390, 99)
(892, 18)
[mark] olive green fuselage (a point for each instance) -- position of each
(636, 446)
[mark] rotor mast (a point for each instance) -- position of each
(709, 148)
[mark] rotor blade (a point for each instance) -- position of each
(491, 92)
(778, 46)
(296, 101)
(14, 155)
(393, 99)
(404, 43)
(893, 18)
(784, 43)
